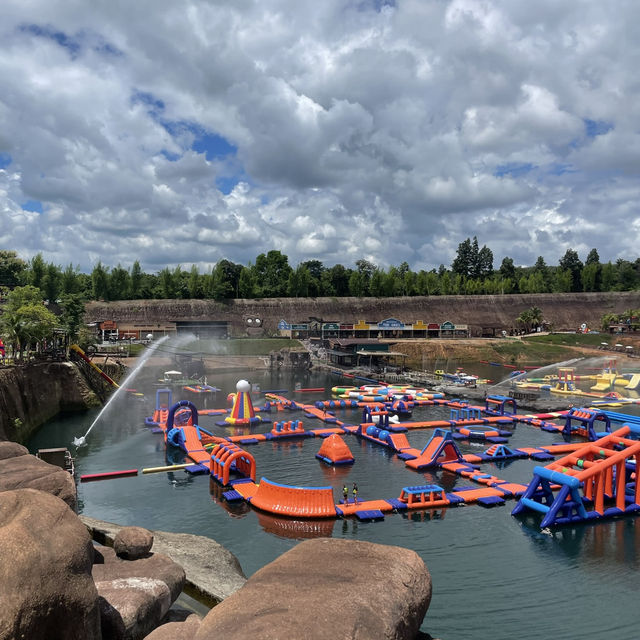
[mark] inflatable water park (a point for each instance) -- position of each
(588, 473)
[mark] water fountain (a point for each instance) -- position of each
(82, 440)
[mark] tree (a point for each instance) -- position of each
(246, 285)
(316, 270)
(484, 265)
(135, 281)
(627, 275)
(299, 282)
(166, 284)
(70, 282)
(609, 276)
(571, 262)
(72, 305)
(272, 274)
(26, 321)
(335, 281)
(100, 283)
(563, 281)
(359, 282)
(525, 320)
(119, 284)
(377, 284)
(51, 282)
(37, 272)
(12, 269)
(463, 262)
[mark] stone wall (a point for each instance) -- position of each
(568, 310)
(32, 394)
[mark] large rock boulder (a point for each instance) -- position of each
(212, 571)
(46, 589)
(176, 630)
(132, 543)
(20, 470)
(135, 595)
(328, 589)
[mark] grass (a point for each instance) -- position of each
(243, 346)
(573, 339)
(534, 351)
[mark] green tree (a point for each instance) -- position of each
(72, 305)
(71, 282)
(609, 276)
(119, 283)
(336, 281)
(627, 275)
(100, 282)
(299, 282)
(135, 281)
(246, 285)
(195, 283)
(37, 271)
(272, 274)
(12, 269)
(563, 281)
(166, 284)
(51, 282)
(26, 321)
(572, 263)
(316, 271)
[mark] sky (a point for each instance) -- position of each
(181, 133)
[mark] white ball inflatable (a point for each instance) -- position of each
(243, 386)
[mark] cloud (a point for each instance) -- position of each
(183, 134)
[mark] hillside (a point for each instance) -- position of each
(563, 311)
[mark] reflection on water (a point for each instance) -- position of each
(295, 529)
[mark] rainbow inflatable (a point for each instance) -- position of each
(242, 411)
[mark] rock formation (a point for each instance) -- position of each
(45, 570)
(35, 393)
(20, 470)
(134, 595)
(328, 588)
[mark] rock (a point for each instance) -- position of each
(12, 450)
(328, 589)
(21, 470)
(132, 543)
(135, 595)
(212, 571)
(176, 630)
(45, 570)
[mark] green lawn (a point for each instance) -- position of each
(242, 346)
(573, 339)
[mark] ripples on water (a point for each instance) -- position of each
(493, 575)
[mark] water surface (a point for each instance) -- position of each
(493, 575)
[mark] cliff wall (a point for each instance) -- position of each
(32, 394)
(567, 310)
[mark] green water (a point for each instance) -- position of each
(493, 575)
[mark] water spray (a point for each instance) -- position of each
(82, 440)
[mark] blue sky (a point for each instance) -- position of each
(390, 131)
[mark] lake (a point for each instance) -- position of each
(493, 575)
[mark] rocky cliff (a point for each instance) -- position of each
(567, 310)
(32, 394)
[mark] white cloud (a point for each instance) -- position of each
(332, 131)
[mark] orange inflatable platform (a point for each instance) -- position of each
(299, 502)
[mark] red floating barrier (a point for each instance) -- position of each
(108, 474)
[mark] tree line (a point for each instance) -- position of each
(472, 272)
